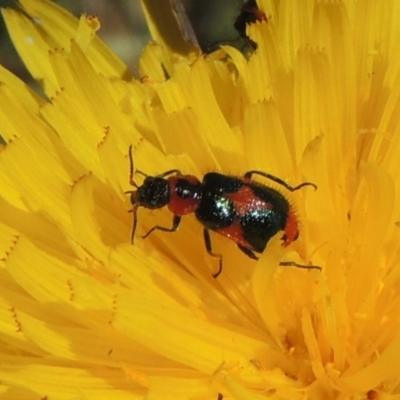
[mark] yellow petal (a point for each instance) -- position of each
(46, 27)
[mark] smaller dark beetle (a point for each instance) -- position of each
(249, 14)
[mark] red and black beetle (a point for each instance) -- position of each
(239, 208)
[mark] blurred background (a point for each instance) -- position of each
(124, 29)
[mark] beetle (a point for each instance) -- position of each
(249, 14)
(239, 208)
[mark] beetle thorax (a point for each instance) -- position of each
(185, 194)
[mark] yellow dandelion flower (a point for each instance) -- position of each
(84, 314)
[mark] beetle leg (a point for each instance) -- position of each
(293, 264)
(170, 172)
(207, 242)
(273, 178)
(175, 225)
(248, 252)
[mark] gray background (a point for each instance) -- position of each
(124, 29)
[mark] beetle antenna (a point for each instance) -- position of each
(131, 181)
(134, 224)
